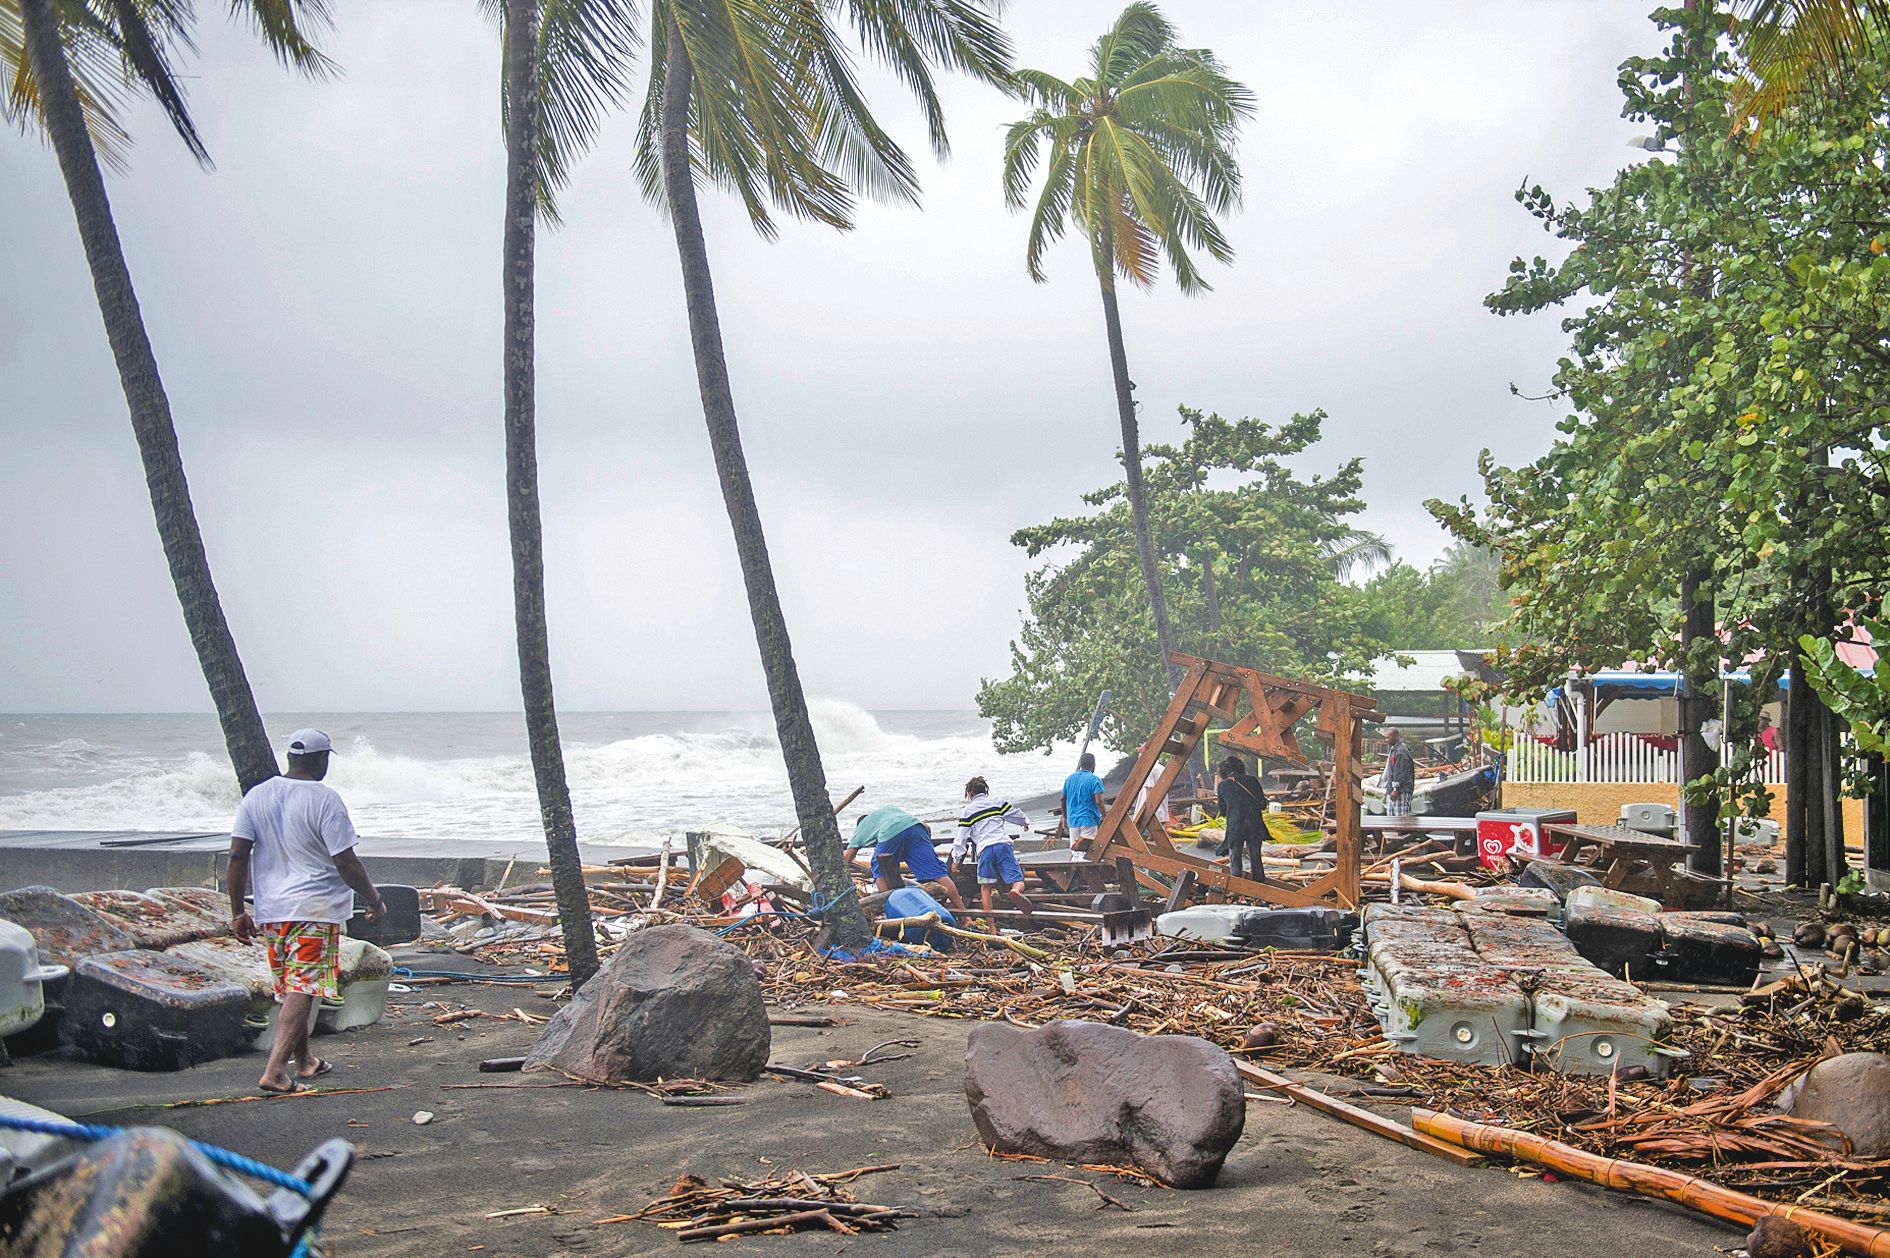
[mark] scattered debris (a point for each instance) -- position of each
(784, 1202)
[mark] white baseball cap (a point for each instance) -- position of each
(309, 742)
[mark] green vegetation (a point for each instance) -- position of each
(1456, 603)
(1250, 553)
(1721, 463)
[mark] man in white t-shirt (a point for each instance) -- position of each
(293, 843)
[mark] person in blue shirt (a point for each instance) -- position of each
(897, 837)
(1083, 801)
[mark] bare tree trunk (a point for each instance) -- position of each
(1696, 758)
(243, 732)
(833, 884)
(1831, 799)
(1138, 495)
(521, 493)
(1797, 785)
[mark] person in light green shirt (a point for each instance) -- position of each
(897, 837)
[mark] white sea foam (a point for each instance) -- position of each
(630, 788)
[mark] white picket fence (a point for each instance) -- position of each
(1609, 758)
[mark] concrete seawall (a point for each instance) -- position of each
(102, 860)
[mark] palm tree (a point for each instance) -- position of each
(762, 100)
(70, 63)
(1141, 159)
(1790, 45)
(560, 73)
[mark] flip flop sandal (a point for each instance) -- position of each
(291, 1089)
(322, 1067)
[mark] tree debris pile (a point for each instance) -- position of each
(786, 1202)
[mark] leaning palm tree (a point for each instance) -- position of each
(562, 69)
(1140, 160)
(69, 64)
(762, 100)
(1788, 46)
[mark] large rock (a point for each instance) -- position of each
(673, 1003)
(1852, 1093)
(1084, 1092)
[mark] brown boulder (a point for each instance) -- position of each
(1852, 1093)
(1088, 1093)
(1775, 1236)
(674, 1002)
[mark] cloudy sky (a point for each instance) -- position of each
(325, 308)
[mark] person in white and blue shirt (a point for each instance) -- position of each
(1083, 801)
(982, 831)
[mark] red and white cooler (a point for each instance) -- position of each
(1514, 835)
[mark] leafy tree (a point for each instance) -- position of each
(71, 66)
(1727, 378)
(1245, 546)
(1456, 602)
(1141, 159)
(762, 100)
(562, 68)
(1861, 700)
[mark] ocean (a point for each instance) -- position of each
(635, 776)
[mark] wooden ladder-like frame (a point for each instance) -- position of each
(1211, 691)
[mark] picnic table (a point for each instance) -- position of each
(1631, 860)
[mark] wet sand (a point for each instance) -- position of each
(1297, 1183)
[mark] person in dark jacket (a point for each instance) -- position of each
(1400, 776)
(1243, 806)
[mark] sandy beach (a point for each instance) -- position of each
(1297, 1182)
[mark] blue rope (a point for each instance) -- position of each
(222, 1157)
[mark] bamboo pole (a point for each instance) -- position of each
(931, 921)
(1333, 1106)
(1653, 1181)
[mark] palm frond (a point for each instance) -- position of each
(97, 74)
(585, 49)
(1150, 143)
(1792, 46)
(284, 26)
(1048, 222)
(146, 32)
(777, 113)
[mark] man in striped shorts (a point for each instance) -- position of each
(294, 842)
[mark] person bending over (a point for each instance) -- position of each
(293, 843)
(897, 837)
(981, 832)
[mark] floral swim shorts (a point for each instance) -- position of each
(305, 958)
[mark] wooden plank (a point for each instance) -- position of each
(1348, 1113)
(1178, 894)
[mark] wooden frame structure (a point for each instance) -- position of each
(1211, 691)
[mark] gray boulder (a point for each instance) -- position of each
(674, 1002)
(1852, 1093)
(1084, 1092)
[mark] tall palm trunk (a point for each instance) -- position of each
(1138, 496)
(806, 776)
(243, 732)
(521, 493)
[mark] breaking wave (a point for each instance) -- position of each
(642, 786)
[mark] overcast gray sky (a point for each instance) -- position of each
(325, 309)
